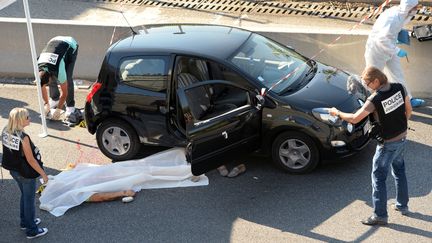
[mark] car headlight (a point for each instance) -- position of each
(322, 114)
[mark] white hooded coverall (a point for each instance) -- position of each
(381, 50)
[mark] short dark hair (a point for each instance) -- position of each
(44, 77)
(372, 73)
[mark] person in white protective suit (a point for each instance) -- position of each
(381, 49)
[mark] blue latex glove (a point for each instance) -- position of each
(403, 37)
(402, 53)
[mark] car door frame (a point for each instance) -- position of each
(250, 114)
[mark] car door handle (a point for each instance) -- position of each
(225, 134)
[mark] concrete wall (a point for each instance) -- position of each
(15, 55)
(347, 53)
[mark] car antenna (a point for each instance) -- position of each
(133, 31)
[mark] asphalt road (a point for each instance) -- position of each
(262, 205)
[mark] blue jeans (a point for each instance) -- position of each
(386, 155)
(27, 203)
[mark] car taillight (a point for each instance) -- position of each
(95, 88)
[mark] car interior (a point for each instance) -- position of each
(207, 101)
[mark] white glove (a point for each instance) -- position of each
(46, 109)
(56, 114)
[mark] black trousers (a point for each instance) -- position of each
(54, 93)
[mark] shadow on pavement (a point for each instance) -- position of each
(423, 217)
(6, 105)
(73, 142)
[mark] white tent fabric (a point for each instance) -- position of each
(166, 169)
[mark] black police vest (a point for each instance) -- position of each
(13, 157)
(390, 106)
(51, 55)
(13, 154)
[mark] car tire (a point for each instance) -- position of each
(117, 140)
(295, 152)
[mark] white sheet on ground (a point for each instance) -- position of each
(166, 169)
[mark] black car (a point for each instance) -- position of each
(219, 90)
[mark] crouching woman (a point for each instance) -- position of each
(23, 160)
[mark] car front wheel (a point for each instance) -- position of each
(295, 152)
(117, 140)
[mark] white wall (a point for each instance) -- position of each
(347, 53)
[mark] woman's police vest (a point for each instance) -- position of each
(13, 154)
(390, 106)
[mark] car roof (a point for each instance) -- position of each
(195, 39)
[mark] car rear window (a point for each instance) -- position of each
(145, 72)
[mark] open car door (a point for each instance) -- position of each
(221, 118)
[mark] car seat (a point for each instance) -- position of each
(199, 69)
(198, 97)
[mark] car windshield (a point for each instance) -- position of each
(270, 62)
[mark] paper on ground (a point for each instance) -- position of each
(166, 169)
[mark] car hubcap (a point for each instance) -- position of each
(116, 140)
(294, 154)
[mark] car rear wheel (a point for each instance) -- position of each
(295, 152)
(117, 140)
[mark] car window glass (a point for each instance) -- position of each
(221, 72)
(191, 70)
(209, 101)
(145, 72)
(268, 62)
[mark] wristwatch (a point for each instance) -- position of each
(338, 113)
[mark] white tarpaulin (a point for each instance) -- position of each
(166, 169)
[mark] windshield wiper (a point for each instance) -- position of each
(312, 70)
(302, 81)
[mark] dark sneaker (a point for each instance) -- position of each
(37, 221)
(373, 220)
(403, 211)
(40, 232)
(75, 117)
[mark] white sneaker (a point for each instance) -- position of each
(69, 110)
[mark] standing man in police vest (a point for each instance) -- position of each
(391, 107)
(56, 64)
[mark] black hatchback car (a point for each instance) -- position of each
(218, 90)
